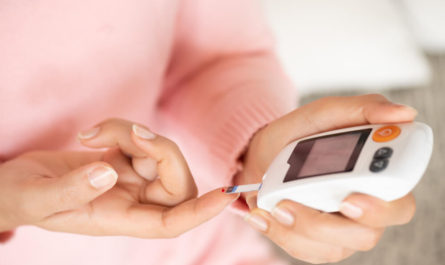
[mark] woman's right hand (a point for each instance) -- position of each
(80, 192)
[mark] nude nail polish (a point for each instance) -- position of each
(142, 132)
(257, 222)
(283, 216)
(350, 210)
(101, 177)
(88, 134)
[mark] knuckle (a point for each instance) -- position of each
(185, 195)
(169, 225)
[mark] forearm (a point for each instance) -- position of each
(225, 103)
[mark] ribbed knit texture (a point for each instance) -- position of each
(199, 71)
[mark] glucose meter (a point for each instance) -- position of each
(320, 171)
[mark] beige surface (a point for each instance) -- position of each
(422, 242)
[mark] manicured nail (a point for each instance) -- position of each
(350, 210)
(142, 132)
(101, 177)
(283, 216)
(257, 222)
(88, 134)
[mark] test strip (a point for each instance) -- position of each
(243, 188)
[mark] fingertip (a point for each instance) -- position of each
(142, 132)
(88, 134)
(362, 199)
(400, 112)
(229, 196)
(216, 197)
(143, 143)
(258, 219)
(350, 210)
(102, 177)
(388, 112)
(359, 206)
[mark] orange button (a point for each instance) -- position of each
(386, 133)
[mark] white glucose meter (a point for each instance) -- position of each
(320, 171)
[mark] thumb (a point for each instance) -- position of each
(73, 189)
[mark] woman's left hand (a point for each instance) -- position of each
(155, 195)
(308, 234)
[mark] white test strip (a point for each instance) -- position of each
(243, 188)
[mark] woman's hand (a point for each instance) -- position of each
(100, 193)
(308, 234)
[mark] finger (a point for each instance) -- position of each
(337, 112)
(374, 212)
(117, 133)
(145, 167)
(127, 175)
(295, 243)
(333, 229)
(111, 133)
(175, 183)
(72, 190)
(172, 222)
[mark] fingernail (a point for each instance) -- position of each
(101, 177)
(256, 222)
(142, 132)
(283, 216)
(88, 134)
(350, 210)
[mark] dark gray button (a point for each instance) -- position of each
(384, 152)
(378, 165)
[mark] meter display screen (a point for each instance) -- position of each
(324, 155)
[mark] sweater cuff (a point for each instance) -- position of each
(231, 136)
(214, 115)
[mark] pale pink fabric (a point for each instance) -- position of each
(199, 71)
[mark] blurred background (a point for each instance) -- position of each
(393, 47)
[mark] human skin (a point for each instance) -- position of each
(304, 233)
(100, 193)
(308, 234)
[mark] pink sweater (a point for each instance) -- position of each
(201, 72)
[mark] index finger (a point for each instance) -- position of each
(111, 133)
(117, 133)
(171, 222)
